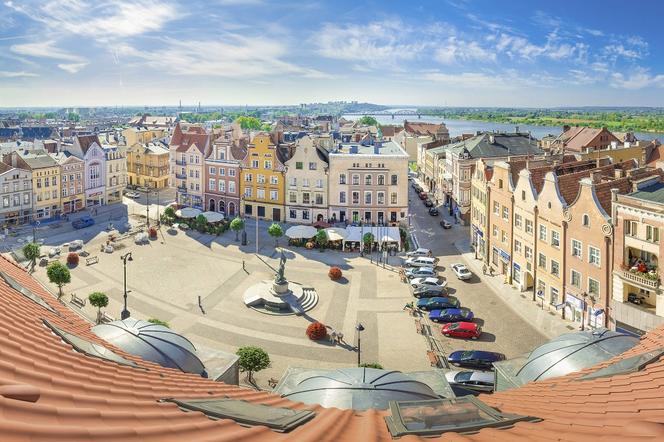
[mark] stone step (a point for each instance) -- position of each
(308, 301)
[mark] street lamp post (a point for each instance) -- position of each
(126, 257)
(583, 311)
(147, 206)
(360, 328)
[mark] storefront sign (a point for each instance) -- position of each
(517, 266)
(504, 255)
(575, 302)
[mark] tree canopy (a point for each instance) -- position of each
(368, 121)
(236, 225)
(276, 231)
(252, 359)
(99, 300)
(59, 275)
(31, 252)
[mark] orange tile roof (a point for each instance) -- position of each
(50, 393)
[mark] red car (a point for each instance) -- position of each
(462, 330)
(423, 195)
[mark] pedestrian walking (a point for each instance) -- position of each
(334, 336)
(340, 337)
(484, 269)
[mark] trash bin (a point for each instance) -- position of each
(244, 237)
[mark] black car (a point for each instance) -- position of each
(474, 358)
(445, 225)
(428, 203)
(429, 292)
(433, 211)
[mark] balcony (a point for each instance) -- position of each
(181, 176)
(180, 163)
(649, 280)
(181, 189)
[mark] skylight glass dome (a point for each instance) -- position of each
(152, 342)
(359, 389)
(573, 352)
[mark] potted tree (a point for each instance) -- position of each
(31, 252)
(252, 359)
(275, 232)
(99, 300)
(368, 240)
(72, 259)
(59, 275)
(321, 239)
(236, 225)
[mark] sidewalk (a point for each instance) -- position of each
(545, 320)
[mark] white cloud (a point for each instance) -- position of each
(72, 68)
(618, 50)
(469, 80)
(48, 49)
(236, 57)
(17, 74)
(639, 78)
(455, 50)
(595, 32)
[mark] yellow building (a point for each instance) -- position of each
(147, 165)
(262, 179)
(45, 181)
(142, 135)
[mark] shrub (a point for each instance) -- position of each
(252, 359)
(236, 225)
(321, 239)
(169, 212)
(316, 331)
(334, 273)
(158, 322)
(152, 232)
(72, 259)
(276, 231)
(372, 365)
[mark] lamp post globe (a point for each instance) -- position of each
(126, 257)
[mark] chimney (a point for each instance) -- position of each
(614, 194)
(566, 128)
(618, 173)
(595, 176)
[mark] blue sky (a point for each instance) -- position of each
(454, 52)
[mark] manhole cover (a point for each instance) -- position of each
(570, 327)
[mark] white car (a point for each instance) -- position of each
(75, 245)
(421, 261)
(428, 282)
(461, 271)
(133, 195)
(420, 272)
(419, 252)
(472, 380)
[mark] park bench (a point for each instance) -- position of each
(272, 382)
(105, 318)
(419, 327)
(433, 358)
(91, 260)
(78, 302)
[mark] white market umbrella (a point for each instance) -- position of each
(336, 233)
(188, 212)
(299, 232)
(213, 217)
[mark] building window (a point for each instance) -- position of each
(319, 199)
(541, 261)
(260, 179)
(213, 170)
(496, 208)
(342, 178)
(247, 177)
(495, 231)
(305, 213)
(594, 256)
(305, 182)
(555, 239)
(523, 195)
(528, 252)
(231, 172)
(577, 248)
(342, 197)
(305, 198)
(356, 180)
(274, 195)
(542, 233)
(394, 180)
(575, 278)
(319, 184)
(529, 226)
(231, 187)
(267, 164)
(356, 197)
(260, 194)
(393, 198)
(503, 236)
(292, 197)
(247, 192)
(631, 228)
(312, 166)
(555, 268)
(554, 296)
(380, 198)
(586, 220)
(506, 213)
(222, 186)
(222, 172)
(274, 180)
(367, 180)
(212, 184)
(254, 164)
(517, 246)
(518, 221)
(652, 234)
(593, 287)
(381, 180)
(293, 181)
(292, 214)
(299, 165)
(367, 197)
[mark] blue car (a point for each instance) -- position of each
(451, 315)
(437, 303)
(83, 222)
(475, 358)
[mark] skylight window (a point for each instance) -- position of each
(627, 365)
(434, 417)
(89, 348)
(11, 282)
(246, 413)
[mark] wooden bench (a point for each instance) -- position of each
(419, 327)
(105, 318)
(433, 358)
(91, 260)
(272, 382)
(78, 302)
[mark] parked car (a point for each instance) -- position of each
(438, 303)
(428, 203)
(420, 272)
(421, 261)
(417, 187)
(430, 281)
(429, 292)
(75, 245)
(472, 380)
(445, 225)
(461, 330)
(83, 222)
(419, 252)
(451, 315)
(475, 358)
(423, 195)
(132, 194)
(461, 271)
(433, 211)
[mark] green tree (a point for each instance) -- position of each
(372, 365)
(248, 122)
(169, 212)
(99, 300)
(368, 121)
(321, 239)
(236, 225)
(31, 252)
(276, 231)
(201, 223)
(72, 116)
(158, 322)
(59, 275)
(252, 359)
(368, 240)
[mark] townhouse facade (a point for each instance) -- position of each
(148, 165)
(116, 174)
(307, 183)
(72, 170)
(15, 195)
(583, 139)
(189, 146)
(368, 183)
(480, 214)
(88, 148)
(501, 189)
(416, 133)
(262, 180)
(45, 172)
(222, 177)
(142, 135)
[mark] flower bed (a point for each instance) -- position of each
(316, 331)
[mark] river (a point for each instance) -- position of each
(458, 127)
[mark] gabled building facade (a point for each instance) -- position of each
(88, 148)
(72, 170)
(306, 183)
(116, 174)
(15, 195)
(222, 176)
(189, 146)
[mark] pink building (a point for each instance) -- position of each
(222, 175)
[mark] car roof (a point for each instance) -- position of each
(486, 354)
(485, 376)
